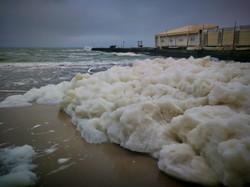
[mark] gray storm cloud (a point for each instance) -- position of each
(100, 23)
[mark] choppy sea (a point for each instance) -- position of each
(24, 68)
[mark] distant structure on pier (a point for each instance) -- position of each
(139, 43)
(205, 36)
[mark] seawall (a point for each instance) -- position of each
(235, 55)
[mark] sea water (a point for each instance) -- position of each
(193, 115)
(24, 68)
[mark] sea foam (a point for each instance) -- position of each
(193, 115)
(16, 166)
(50, 94)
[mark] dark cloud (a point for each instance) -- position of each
(101, 23)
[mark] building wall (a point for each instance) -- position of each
(163, 41)
(194, 40)
(228, 38)
(171, 41)
(157, 43)
(224, 37)
(212, 39)
(181, 40)
(160, 41)
(244, 38)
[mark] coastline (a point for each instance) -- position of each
(221, 54)
(52, 135)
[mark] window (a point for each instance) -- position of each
(192, 39)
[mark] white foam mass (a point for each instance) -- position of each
(191, 114)
(16, 166)
(50, 94)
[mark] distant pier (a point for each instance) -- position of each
(197, 40)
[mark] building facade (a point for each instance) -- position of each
(198, 36)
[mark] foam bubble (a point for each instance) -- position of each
(16, 166)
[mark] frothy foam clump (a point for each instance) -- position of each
(191, 114)
(50, 94)
(16, 165)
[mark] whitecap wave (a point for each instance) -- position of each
(127, 54)
(87, 48)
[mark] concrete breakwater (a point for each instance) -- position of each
(222, 54)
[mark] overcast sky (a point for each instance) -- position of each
(100, 23)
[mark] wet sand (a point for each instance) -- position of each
(53, 136)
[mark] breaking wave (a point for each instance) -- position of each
(127, 54)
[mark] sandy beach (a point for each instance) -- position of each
(64, 158)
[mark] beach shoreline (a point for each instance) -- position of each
(65, 158)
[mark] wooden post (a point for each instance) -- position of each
(222, 35)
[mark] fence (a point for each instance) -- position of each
(227, 37)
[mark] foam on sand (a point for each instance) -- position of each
(50, 94)
(16, 166)
(191, 114)
(63, 160)
(51, 150)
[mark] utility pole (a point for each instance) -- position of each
(234, 34)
